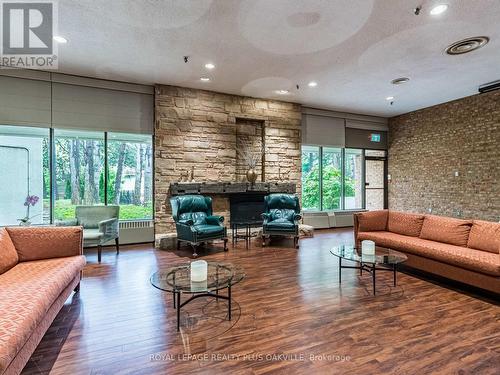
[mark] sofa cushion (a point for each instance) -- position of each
(92, 234)
(475, 260)
(280, 224)
(208, 230)
(485, 235)
(26, 293)
(385, 239)
(372, 221)
(405, 223)
(34, 243)
(8, 253)
(446, 230)
(196, 217)
(286, 214)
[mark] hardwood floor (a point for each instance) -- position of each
(289, 316)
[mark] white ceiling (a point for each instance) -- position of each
(352, 48)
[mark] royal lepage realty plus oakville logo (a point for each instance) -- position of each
(28, 35)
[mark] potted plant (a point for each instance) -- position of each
(30, 201)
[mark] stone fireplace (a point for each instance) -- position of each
(246, 207)
(197, 133)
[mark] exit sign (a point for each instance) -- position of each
(374, 137)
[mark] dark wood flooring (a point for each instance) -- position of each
(289, 316)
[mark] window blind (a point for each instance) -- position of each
(24, 102)
(323, 130)
(90, 108)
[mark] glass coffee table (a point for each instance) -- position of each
(177, 280)
(384, 259)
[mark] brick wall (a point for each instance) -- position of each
(197, 130)
(428, 146)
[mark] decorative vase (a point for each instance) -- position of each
(24, 223)
(251, 176)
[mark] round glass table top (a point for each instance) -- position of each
(382, 255)
(178, 278)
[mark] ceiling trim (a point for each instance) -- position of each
(76, 80)
(345, 115)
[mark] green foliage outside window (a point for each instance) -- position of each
(332, 188)
(65, 210)
(332, 180)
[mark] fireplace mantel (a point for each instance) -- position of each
(225, 188)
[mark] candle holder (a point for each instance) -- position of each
(199, 269)
(367, 247)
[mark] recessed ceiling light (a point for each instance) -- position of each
(312, 84)
(467, 45)
(438, 9)
(204, 79)
(60, 39)
(209, 66)
(400, 80)
(389, 98)
(282, 92)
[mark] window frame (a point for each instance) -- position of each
(343, 175)
(108, 165)
(52, 171)
(320, 171)
(31, 133)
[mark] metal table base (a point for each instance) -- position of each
(371, 268)
(178, 305)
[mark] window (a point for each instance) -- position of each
(310, 178)
(24, 165)
(79, 171)
(338, 181)
(331, 178)
(130, 179)
(353, 166)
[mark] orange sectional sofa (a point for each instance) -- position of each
(39, 268)
(467, 251)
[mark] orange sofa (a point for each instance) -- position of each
(467, 251)
(39, 268)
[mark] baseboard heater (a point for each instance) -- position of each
(329, 219)
(135, 231)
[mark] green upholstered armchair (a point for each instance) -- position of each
(281, 217)
(100, 225)
(195, 222)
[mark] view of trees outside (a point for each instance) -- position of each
(130, 175)
(79, 163)
(310, 178)
(352, 179)
(331, 179)
(80, 173)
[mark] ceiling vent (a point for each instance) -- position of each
(492, 86)
(467, 45)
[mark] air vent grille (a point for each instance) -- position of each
(467, 45)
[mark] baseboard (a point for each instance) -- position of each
(473, 291)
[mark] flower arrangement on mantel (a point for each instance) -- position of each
(251, 156)
(30, 201)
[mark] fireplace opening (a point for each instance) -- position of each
(246, 208)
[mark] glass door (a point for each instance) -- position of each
(375, 165)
